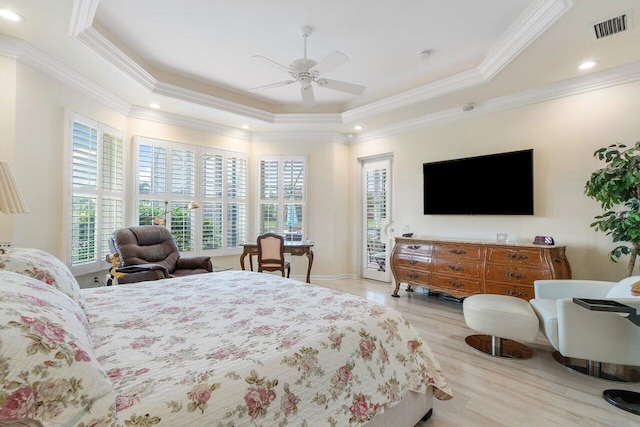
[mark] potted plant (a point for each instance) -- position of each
(617, 188)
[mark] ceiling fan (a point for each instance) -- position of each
(307, 71)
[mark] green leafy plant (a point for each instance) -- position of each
(617, 188)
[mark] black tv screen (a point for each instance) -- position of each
(496, 184)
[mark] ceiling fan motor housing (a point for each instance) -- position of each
(302, 65)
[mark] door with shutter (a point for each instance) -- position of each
(376, 220)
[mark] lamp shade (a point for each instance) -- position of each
(11, 201)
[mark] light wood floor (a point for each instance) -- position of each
(490, 391)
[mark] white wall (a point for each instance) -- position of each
(40, 145)
(564, 133)
(7, 136)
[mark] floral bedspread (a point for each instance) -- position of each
(239, 348)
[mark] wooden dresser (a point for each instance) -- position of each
(463, 268)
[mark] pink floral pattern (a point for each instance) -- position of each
(241, 348)
(48, 368)
(44, 267)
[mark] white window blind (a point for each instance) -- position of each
(236, 200)
(97, 191)
(215, 179)
(281, 204)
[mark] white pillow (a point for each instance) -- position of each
(626, 288)
(49, 368)
(43, 266)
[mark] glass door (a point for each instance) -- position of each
(376, 194)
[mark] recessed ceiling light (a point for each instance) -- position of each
(246, 127)
(357, 127)
(154, 105)
(587, 64)
(10, 15)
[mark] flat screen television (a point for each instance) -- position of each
(495, 184)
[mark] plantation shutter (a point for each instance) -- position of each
(236, 200)
(281, 196)
(180, 173)
(212, 187)
(97, 191)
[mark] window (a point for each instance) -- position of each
(97, 191)
(281, 194)
(171, 175)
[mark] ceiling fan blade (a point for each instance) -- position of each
(272, 63)
(332, 61)
(284, 83)
(308, 100)
(341, 86)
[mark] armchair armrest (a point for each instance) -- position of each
(142, 273)
(194, 263)
(569, 288)
(138, 268)
(598, 335)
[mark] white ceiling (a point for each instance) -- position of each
(194, 57)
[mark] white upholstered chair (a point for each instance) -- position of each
(586, 340)
(585, 337)
(271, 254)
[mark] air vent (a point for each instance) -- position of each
(612, 26)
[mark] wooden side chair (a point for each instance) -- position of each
(271, 254)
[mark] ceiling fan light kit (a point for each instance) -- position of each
(307, 71)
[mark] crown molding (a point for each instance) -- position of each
(535, 20)
(299, 136)
(187, 122)
(99, 44)
(316, 118)
(30, 56)
(596, 81)
(195, 97)
(82, 16)
(528, 27)
(36, 59)
(433, 90)
(19, 50)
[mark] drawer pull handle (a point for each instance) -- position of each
(455, 268)
(413, 247)
(412, 275)
(517, 256)
(412, 261)
(513, 293)
(456, 284)
(515, 275)
(557, 260)
(457, 252)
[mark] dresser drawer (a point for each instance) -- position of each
(457, 284)
(524, 292)
(412, 262)
(515, 274)
(417, 248)
(412, 276)
(458, 251)
(502, 255)
(457, 268)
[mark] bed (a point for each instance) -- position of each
(232, 348)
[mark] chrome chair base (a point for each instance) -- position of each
(498, 347)
(605, 371)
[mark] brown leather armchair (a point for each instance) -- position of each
(149, 252)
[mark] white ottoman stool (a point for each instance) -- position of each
(503, 320)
